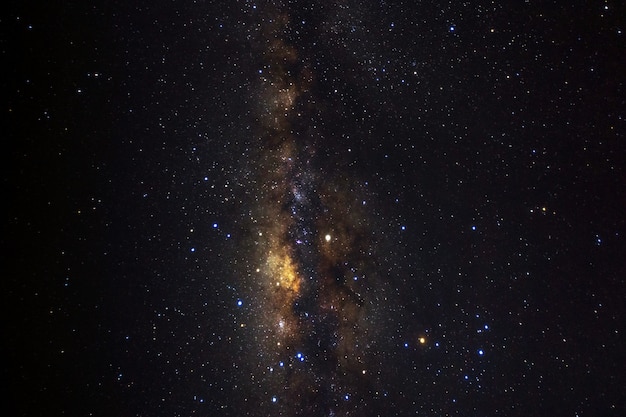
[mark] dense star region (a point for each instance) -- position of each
(314, 208)
(316, 276)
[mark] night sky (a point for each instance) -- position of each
(314, 208)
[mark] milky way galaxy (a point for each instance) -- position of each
(318, 316)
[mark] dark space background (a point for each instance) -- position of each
(483, 144)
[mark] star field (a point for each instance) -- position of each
(340, 208)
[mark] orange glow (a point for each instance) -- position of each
(283, 271)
